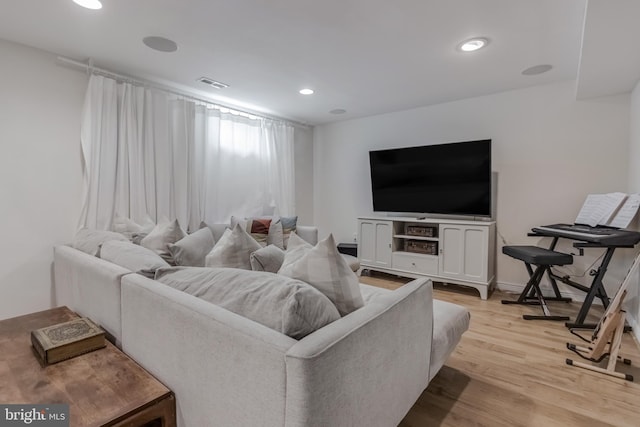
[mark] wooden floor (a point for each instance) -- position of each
(507, 371)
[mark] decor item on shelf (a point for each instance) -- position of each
(63, 341)
(421, 230)
(421, 247)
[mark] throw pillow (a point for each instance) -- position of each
(288, 226)
(259, 229)
(274, 234)
(269, 259)
(233, 250)
(286, 305)
(88, 240)
(131, 256)
(217, 230)
(193, 248)
(296, 249)
(324, 268)
(161, 237)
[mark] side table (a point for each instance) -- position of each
(103, 388)
(348, 249)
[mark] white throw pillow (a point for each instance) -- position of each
(88, 240)
(269, 258)
(161, 237)
(296, 248)
(323, 267)
(130, 256)
(233, 250)
(191, 250)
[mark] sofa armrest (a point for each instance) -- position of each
(223, 368)
(89, 286)
(308, 233)
(367, 368)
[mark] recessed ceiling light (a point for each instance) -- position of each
(473, 44)
(338, 111)
(214, 83)
(306, 91)
(89, 4)
(160, 44)
(536, 69)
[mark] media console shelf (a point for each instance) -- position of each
(446, 250)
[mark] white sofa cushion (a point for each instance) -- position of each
(192, 249)
(88, 240)
(289, 306)
(130, 256)
(233, 250)
(323, 267)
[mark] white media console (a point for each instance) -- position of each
(446, 250)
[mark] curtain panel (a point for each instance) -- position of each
(147, 152)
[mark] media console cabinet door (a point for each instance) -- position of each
(375, 242)
(463, 252)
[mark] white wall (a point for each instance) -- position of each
(304, 174)
(549, 151)
(633, 299)
(40, 172)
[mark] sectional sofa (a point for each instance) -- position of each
(366, 369)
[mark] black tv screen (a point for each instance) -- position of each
(451, 179)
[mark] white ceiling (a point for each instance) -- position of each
(364, 56)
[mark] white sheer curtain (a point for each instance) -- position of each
(148, 153)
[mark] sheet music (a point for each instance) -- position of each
(627, 212)
(599, 208)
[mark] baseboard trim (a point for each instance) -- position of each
(635, 329)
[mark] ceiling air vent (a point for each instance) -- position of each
(214, 83)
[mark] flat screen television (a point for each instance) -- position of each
(450, 179)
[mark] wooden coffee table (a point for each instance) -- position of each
(103, 388)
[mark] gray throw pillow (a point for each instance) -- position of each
(233, 250)
(131, 256)
(193, 248)
(88, 240)
(217, 230)
(269, 259)
(289, 306)
(324, 268)
(161, 237)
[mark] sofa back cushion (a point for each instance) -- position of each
(289, 306)
(89, 240)
(130, 256)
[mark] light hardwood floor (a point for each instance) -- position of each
(507, 371)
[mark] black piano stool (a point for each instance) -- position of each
(543, 259)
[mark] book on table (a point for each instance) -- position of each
(63, 341)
